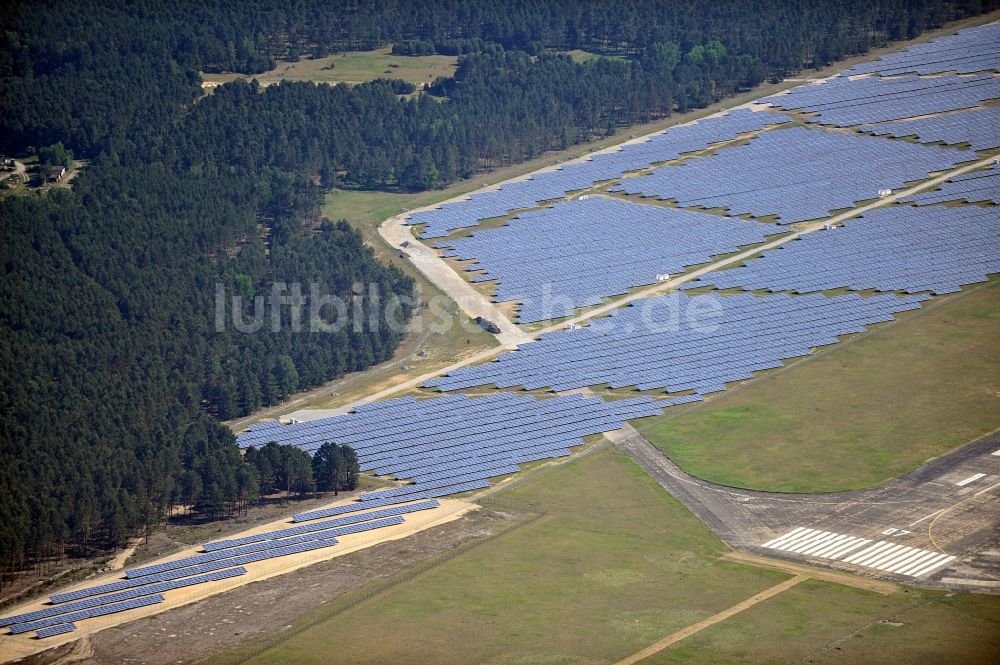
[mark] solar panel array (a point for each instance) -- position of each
(145, 590)
(320, 526)
(973, 187)
(646, 347)
(371, 502)
(101, 610)
(979, 127)
(454, 443)
(578, 252)
(846, 102)
(900, 248)
(553, 184)
(194, 570)
(796, 173)
(52, 631)
(970, 50)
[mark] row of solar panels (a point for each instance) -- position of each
(144, 586)
(60, 610)
(979, 127)
(575, 254)
(192, 570)
(550, 185)
(798, 174)
(847, 102)
(974, 186)
(343, 521)
(900, 248)
(695, 355)
(970, 50)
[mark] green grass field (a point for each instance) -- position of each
(353, 67)
(861, 413)
(615, 564)
(851, 626)
(579, 55)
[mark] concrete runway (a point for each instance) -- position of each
(938, 526)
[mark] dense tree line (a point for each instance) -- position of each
(58, 83)
(284, 468)
(112, 374)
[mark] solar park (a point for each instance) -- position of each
(899, 248)
(973, 187)
(661, 147)
(846, 102)
(979, 127)
(682, 352)
(967, 51)
(797, 174)
(788, 167)
(565, 249)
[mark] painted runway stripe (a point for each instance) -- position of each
(971, 479)
(905, 558)
(818, 540)
(784, 540)
(888, 556)
(913, 558)
(932, 567)
(772, 542)
(881, 555)
(926, 517)
(854, 544)
(829, 546)
(868, 552)
(996, 453)
(874, 560)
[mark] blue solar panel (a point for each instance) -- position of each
(144, 590)
(453, 444)
(900, 248)
(52, 631)
(321, 526)
(635, 347)
(101, 610)
(796, 173)
(970, 50)
(846, 102)
(577, 253)
(979, 127)
(265, 547)
(973, 187)
(193, 570)
(555, 183)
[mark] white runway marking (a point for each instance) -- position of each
(996, 453)
(986, 490)
(881, 555)
(926, 517)
(971, 479)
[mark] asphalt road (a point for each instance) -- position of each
(938, 526)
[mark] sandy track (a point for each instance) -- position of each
(712, 620)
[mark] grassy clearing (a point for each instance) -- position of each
(856, 415)
(580, 56)
(352, 67)
(819, 622)
(614, 565)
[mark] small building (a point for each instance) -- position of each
(56, 173)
